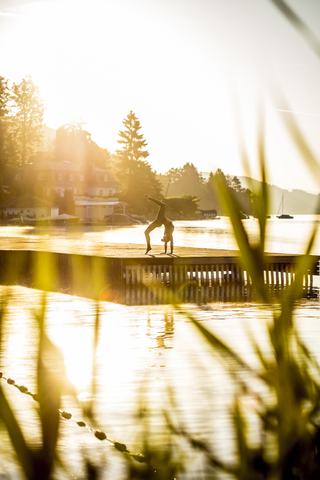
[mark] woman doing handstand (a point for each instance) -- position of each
(160, 220)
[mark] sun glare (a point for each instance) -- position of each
(78, 359)
(173, 65)
(78, 55)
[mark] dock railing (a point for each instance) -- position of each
(150, 280)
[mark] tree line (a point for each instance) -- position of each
(21, 122)
(21, 142)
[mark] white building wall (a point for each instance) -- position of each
(90, 211)
(23, 212)
(54, 211)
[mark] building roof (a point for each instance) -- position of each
(26, 201)
(64, 165)
(56, 165)
(70, 167)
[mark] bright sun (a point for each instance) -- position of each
(176, 65)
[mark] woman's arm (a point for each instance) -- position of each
(157, 202)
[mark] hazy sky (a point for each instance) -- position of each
(179, 65)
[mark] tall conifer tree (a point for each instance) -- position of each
(134, 172)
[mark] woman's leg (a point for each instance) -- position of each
(162, 213)
(149, 229)
(171, 244)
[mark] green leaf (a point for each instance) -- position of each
(252, 257)
(296, 134)
(302, 27)
(49, 375)
(305, 262)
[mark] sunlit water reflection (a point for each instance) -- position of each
(143, 351)
(283, 236)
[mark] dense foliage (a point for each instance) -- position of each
(27, 115)
(187, 180)
(183, 207)
(74, 144)
(21, 125)
(4, 110)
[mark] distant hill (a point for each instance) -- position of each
(295, 201)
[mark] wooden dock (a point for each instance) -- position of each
(123, 273)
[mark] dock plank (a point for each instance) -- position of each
(118, 250)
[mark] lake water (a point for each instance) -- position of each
(150, 354)
(283, 236)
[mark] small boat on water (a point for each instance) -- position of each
(284, 215)
(281, 207)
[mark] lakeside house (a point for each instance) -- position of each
(27, 207)
(92, 189)
(48, 177)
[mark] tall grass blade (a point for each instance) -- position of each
(251, 257)
(302, 27)
(3, 306)
(49, 391)
(218, 346)
(297, 136)
(294, 292)
(262, 199)
(240, 137)
(89, 410)
(23, 452)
